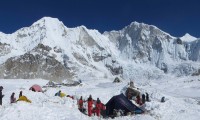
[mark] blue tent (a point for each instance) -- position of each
(121, 102)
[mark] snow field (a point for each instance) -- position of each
(47, 106)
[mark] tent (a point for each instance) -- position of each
(51, 84)
(117, 80)
(120, 102)
(36, 88)
(62, 94)
(24, 98)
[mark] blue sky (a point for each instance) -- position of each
(176, 17)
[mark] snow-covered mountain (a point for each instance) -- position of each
(188, 37)
(144, 43)
(50, 50)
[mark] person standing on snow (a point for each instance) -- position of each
(98, 107)
(12, 98)
(80, 105)
(147, 97)
(20, 94)
(90, 103)
(1, 95)
(143, 98)
(58, 93)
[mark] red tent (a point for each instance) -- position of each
(36, 88)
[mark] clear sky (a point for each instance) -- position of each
(176, 17)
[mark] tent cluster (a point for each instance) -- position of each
(119, 105)
(128, 103)
(35, 88)
(51, 84)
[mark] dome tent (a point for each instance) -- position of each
(36, 88)
(117, 80)
(24, 98)
(121, 102)
(51, 84)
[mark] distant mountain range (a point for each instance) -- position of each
(50, 50)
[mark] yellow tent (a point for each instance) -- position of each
(62, 94)
(24, 98)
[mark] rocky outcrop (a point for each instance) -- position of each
(36, 64)
(4, 49)
(196, 73)
(115, 68)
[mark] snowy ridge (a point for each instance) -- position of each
(144, 43)
(80, 50)
(188, 38)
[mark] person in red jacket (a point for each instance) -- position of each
(90, 103)
(80, 104)
(98, 107)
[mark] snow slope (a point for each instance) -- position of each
(47, 106)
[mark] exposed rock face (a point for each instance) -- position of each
(196, 73)
(80, 58)
(115, 68)
(36, 64)
(4, 49)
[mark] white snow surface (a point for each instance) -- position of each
(182, 99)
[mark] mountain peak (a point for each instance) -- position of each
(48, 21)
(145, 27)
(188, 37)
(135, 23)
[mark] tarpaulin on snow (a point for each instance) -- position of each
(121, 102)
